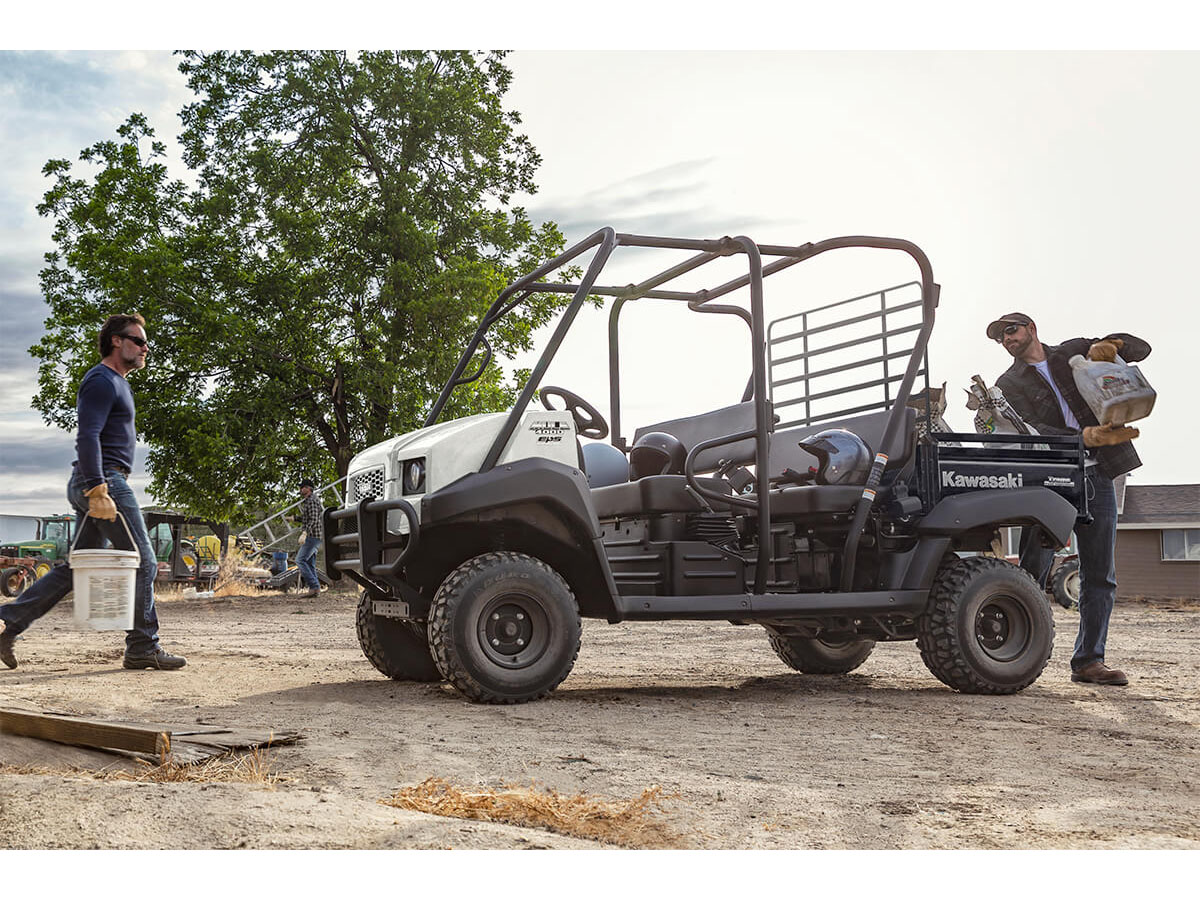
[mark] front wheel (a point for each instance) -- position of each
(988, 628)
(504, 628)
(396, 647)
(818, 656)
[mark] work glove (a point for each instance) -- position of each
(100, 505)
(1106, 435)
(1106, 350)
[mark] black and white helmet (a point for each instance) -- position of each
(842, 456)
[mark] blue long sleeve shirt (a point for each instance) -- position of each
(106, 424)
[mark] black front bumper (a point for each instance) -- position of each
(371, 539)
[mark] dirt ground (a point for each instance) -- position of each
(751, 754)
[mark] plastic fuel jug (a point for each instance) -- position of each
(1117, 393)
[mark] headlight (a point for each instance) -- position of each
(414, 475)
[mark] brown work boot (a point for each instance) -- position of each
(158, 658)
(6, 646)
(1097, 672)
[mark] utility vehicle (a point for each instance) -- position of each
(479, 543)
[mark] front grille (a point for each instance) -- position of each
(366, 484)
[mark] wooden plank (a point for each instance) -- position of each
(86, 733)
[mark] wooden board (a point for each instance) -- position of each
(85, 732)
(186, 743)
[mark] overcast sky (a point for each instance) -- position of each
(1059, 184)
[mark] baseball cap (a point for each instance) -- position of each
(996, 328)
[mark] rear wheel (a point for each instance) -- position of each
(988, 629)
(504, 628)
(396, 647)
(1065, 584)
(819, 656)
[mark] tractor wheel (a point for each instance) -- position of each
(1065, 584)
(816, 656)
(988, 628)
(504, 628)
(12, 581)
(396, 647)
(42, 569)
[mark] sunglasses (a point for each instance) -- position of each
(1009, 329)
(141, 342)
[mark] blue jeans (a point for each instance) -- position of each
(1097, 566)
(44, 594)
(1097, 569)
(304, 562)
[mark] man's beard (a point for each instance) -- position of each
(1018, 350)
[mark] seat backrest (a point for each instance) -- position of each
(786, 453)
(604, 464)
(691, 430)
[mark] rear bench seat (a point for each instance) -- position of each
(668, 493)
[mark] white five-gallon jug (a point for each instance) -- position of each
(1117, 392)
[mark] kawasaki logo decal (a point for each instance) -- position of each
(950, 478)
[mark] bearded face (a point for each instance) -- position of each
(1019, 341)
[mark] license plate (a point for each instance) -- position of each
(390, 609)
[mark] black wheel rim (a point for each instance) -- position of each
(514, 630)
(1002, 628)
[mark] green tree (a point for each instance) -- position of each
(349, 220)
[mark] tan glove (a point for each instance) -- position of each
(100, 505)
(1105, 435)
(1106, 350)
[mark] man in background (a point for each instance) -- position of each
(310, 515)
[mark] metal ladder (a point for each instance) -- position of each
(264, 536)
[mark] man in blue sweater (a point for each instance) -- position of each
(98, 488)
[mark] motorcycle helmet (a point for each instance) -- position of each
(656, 453)
(842, 456)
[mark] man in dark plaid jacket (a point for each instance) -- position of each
(1041, 387)
(310, 515)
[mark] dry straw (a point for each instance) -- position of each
(637, 824)
(253, 767)
(230, 582)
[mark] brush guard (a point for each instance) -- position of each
(382, 580)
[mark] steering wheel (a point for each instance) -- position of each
(589, 423)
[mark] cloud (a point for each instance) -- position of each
(52, 105)
(53, 451)
(36, 498)
(666, 201)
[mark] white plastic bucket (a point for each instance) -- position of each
(105, 582)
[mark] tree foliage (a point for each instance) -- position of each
(348, 219)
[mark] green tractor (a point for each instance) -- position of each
(24, 562)
(27, 561)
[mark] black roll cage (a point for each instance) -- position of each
(605, 241)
